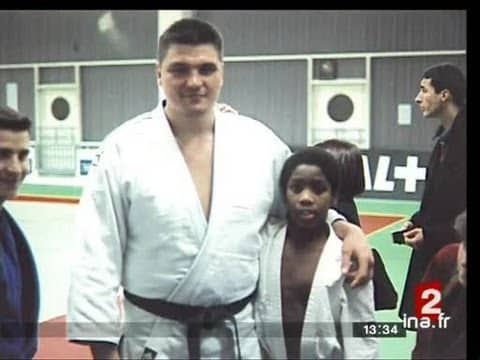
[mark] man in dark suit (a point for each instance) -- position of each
(442, 96)
(19, 294)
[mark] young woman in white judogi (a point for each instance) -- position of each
(304, 308)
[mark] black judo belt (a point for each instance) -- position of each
(195, 317)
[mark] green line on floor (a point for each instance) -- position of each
(50, 190)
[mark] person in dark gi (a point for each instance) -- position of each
(19, 289)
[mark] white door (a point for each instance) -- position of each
(340, 110)
(58, 129)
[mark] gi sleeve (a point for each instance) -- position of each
(333, 216)
(93, 312)
(278, 209)
(359, 307)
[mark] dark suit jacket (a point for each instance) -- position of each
(443, 199)
(14, 348)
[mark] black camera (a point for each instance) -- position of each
(398, 237)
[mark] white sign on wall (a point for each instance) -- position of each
(410, 173)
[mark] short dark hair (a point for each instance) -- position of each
(350, 167)
(13, 120)
(310, 156)
(461, 226)
(448, 77)
(190, 31)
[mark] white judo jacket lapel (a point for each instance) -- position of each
(182, 181)
(318, 334)
(319, 338)
(268, 304)
(229, 242)
(205, 230)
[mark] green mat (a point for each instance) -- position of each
(396, 260)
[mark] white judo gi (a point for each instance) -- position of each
(332, 305)
(141, 226)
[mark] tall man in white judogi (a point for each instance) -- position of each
(172, 213)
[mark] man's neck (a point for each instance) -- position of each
(448, 117)
(186, 127)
